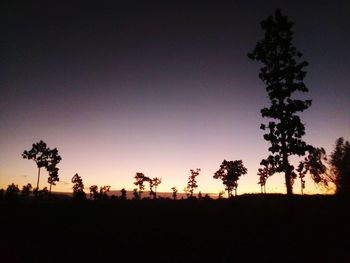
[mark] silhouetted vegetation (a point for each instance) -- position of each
(340, 166)
(313, 164)
(283, 75)
(78, 188)
(229, 173)
(26, 190)
(44, 157)
(192, 182)
(174, 192)
(12, 191)
(140, 180)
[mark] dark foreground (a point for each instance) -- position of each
(247, 229)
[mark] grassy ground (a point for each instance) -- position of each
(249, 228)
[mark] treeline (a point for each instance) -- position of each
(283, 73)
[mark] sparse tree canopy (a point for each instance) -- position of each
(44, 157)
(283, 75)
(140, 180)
(313, 164)
(229, 173)
(192, 182)
(174, 192)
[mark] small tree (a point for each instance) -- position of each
(136, 194)
(283, 75)
(12, 191)
(174, 192)
(192, 182)
(26, 190)
(140, 180)
(153, 183)
(340, 166)
(229, 173)
(313, 164)
(78, 188)
(103, 195)
(94, 192)
(266, 171)
(123, 194)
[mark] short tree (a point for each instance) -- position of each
(174, 192)
(153, 184)
(140, 180)
(94, 195)
(103, 195)
(192, 182)
(12, 191)
(314, 165)
(229, 173)
(283, 76)
(136, 194)
(26, 190)
(266, 171)
(78, 187)
(123, 194)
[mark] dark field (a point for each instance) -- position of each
(248, 228)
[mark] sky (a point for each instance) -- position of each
(159, 88)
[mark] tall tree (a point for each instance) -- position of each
(39, 154)
(229, 173)
(53, 159)
(283, 75)
(340, 166)
(78, 187)
(192, 182)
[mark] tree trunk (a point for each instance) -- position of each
(37, 183)
(288, 183)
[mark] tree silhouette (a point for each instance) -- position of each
(44, 157)
(283, 75)
(136, 194)
(264, 172)
(12, 191)
(313, 165)
(78, 188)
(140, 180)
(52, 161)
(153, 183)
(39, 154)
(192, 183)
(103, 195)
(94, 195)
(123, 194)
(229, 173)
(174, 192)
(26, 190)
(340, 166)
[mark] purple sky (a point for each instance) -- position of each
(158, 88)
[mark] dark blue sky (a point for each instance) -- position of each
(158, 87)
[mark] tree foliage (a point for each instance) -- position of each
(340, 166)
(283, 75)
(192, 182)
(78, 187)
(43, 156)
(229, 173)
(140, 180)
(314, 164)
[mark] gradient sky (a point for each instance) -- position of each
(158, 88)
